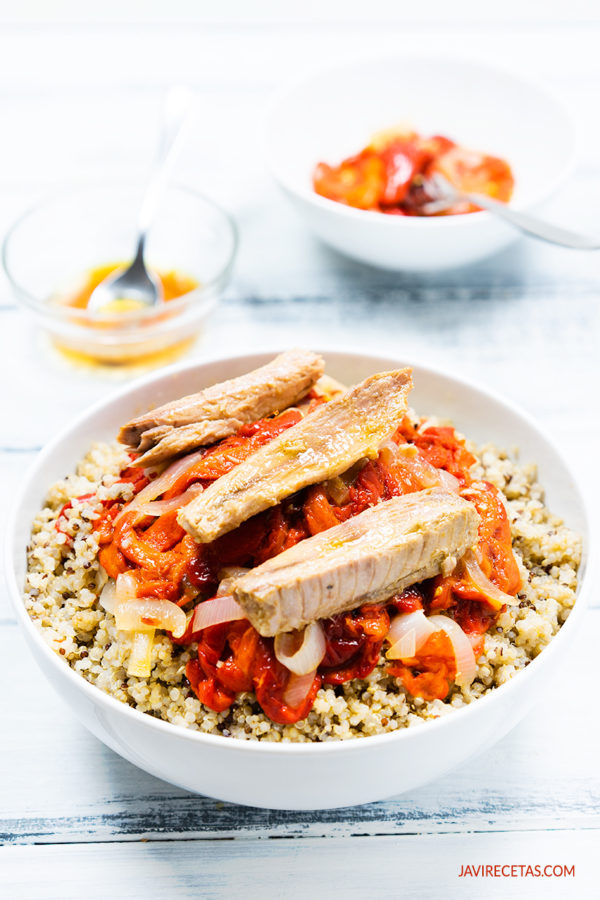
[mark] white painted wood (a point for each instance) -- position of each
(309, 13)
(526, 322)
(423, 867)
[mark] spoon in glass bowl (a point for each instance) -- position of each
(134, 286)
(444, 195)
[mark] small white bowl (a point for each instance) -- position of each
(302, 776)
(333, 113)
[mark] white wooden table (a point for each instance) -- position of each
(78, 821)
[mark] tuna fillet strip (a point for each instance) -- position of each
(220, 410)
(366, 559)
(324, 444)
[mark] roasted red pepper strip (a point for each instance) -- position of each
(277, 532)
(403, 160)
(202, 673)
(164, 532)
(136, 477)
(104, 524)
(233, 657)
(354, 643)
(136, 549)
(112, 560)
(226, 455)
(391, 175)
(318, 511)
(431, 672)
(408, 601)
(150, 586)
(236, 671)
(495, 540)
(441, 448)
(359, 181)
(206, 687)
(494, 545)
(270, 682)
(474, 618)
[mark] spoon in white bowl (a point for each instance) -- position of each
(133, 286)
(446, 195)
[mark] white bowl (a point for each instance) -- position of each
(333, 113)
(301, 776)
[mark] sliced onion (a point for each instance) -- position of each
(449, 481)
(448, 566)
(125, 588)
(304, 658)
(155, 470)
(160, 507)
(408, 632)
(147, 613)
(337, 490)
(466, 666)
(407, 456)
(298, 688)
(140, 658)
(108, 596)
(405, 648)
(162, 483)
(214, 612)
(228, 576)
(101, 577)
(490, 591)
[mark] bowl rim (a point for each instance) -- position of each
(97, 696)
(70, 189)
(312, 74)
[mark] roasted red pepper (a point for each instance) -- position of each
(271, 680)
(494, 546)
(354, 642)
(233, 657)
(431, 672)
(392, 175)
(441, 447)
(227, 454)
(494, 541)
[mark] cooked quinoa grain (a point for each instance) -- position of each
(64, 581)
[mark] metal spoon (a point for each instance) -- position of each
(445, 195)
(134, 283)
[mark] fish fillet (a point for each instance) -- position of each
(220, 410)
(366, 559)
(324, 444)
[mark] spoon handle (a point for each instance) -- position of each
(536, 227)
(176, 117)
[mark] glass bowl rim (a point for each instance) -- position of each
(43, 308)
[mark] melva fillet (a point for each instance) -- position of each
(366, 559)
(324, 444)
(220, 410)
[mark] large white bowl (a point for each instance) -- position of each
(333, 113)
(301, 776)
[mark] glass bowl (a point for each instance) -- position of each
(52, 246)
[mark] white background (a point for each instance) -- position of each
(80, 87)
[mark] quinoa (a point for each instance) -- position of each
(64, 581)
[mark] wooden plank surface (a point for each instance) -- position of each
(373, 868)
